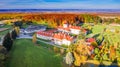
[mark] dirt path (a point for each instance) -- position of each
(3, 29)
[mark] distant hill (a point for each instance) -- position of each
(59, 10)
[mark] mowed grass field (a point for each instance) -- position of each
(5, 31)
(25, 54)
(112, 37)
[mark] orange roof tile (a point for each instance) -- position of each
(44, 33)
(62, 36)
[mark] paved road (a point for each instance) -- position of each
(24, 36)
(3, 29)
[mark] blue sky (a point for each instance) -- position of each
(60, 4)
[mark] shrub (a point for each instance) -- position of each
(7, 42)
(69, 58)
(62, 51)
(3, 53)
(56, 49)
(94, 44)
(13, 34)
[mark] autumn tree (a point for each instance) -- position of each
(81, 53)
(18, 24)
(17, 29)
(56, 49)
(112, 54)
(87, 18)
(62, 51)
(69, 59)
(34, 39)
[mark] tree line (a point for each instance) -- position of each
(7, 43)
(55, 20)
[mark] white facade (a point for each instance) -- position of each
(60, 42)
(44, 37)
(62, 30)
(66, 42)
(69, 29)
(75, 31)
(65, 25)
(57, 41)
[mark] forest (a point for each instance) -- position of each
(55, 19)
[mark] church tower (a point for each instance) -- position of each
(65, 24)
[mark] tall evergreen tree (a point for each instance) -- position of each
(7, 42)
(13, 34)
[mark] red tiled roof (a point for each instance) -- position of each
(68, 29)
(56, 35)
(62, 36)
(90, 40)
(44, 33)
(75, 27)
(51, 31)
(84, 30)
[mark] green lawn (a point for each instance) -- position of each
(113, 37)
(44, 40)
(44, 45)
(25, 26)
(98, 28)
(6, 31)
(6, 26)
(25, 54)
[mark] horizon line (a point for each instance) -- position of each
(65, 8)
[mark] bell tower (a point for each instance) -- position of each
(65, 24)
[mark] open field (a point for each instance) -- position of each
(25, 54)
(113, 37)
(5, 29)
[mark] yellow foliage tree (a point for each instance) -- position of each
(77, 61)
(62, 51)
(112, 53)
(56, 49)
(94, 44)
(81, 53)
(34, 39)
(17, 29)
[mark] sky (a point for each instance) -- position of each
(59, 4)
